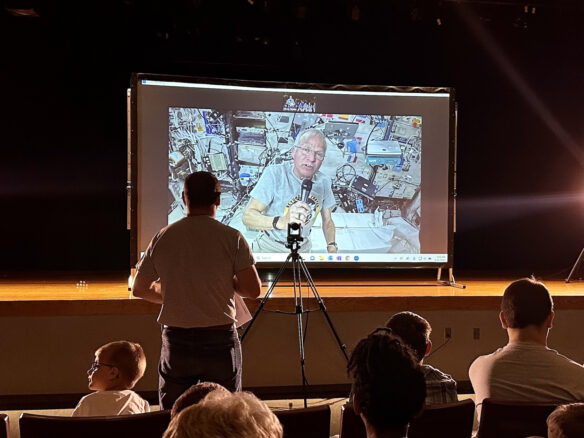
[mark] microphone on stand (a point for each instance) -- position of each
(305, 190)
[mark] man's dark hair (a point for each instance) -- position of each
(202, 189)
(526, 302)
(413, 330)
(388, 384)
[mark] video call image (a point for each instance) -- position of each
(357, 175)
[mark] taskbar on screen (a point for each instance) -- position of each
(356, 257)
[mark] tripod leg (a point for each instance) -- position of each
(578, 262)
(320, 302)
(266, 297)
(301, 347)
(299, 312)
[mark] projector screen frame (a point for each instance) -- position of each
(134, 153)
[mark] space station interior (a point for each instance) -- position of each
(374, 162)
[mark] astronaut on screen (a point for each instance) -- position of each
(293, 193)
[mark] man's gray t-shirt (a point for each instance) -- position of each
(196, 259)
(523, 371)
(278, 188)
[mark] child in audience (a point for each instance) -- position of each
(223, 414)
(566, 421)
(194, 395)
(117, 367)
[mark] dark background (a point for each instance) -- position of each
(518, 75)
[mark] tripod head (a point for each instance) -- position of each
(294, 237)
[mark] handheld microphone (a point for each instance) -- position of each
(305, 190)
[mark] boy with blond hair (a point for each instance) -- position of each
(117, 367)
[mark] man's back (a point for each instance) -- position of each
(196, 259)
(523, 371)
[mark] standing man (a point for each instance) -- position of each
(278, 198)
(194, 267)
(526, 369)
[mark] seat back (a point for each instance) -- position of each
(147, 425)
(5, 426)
(313, 422)
(513, 419)
(450, 420)
(351, 424)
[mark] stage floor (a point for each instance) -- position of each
(90, 293)
(114, 286)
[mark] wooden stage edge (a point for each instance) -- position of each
(107, 294)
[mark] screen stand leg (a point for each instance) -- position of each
(577, 265)
(451, 281)
(131, 281)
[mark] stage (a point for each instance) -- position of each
(107, 293)
(46, 314)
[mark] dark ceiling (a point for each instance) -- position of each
(517, 68)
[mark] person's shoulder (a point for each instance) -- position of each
(486, 358)
(95, 396)
(271, 175)
(189, 222)
(174, 226)
(218, 225)
(566, 361)
(433, 373)
(169, 231)
(122, 394)
(129, 393)
(276, 169)
(218, 228)
(85, 404)
(89, 396)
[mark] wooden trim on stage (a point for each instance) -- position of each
(98, 297)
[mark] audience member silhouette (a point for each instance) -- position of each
(194, 395)
(388, 384)
(415, 332)
(567, 421)
(526, 369)
(222, 414)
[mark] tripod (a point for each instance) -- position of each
(298, 269)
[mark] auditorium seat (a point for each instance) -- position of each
(5, 427)
(351, 424)
(513, 419)
(148, 425)
(450, 420)
(313, 422)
